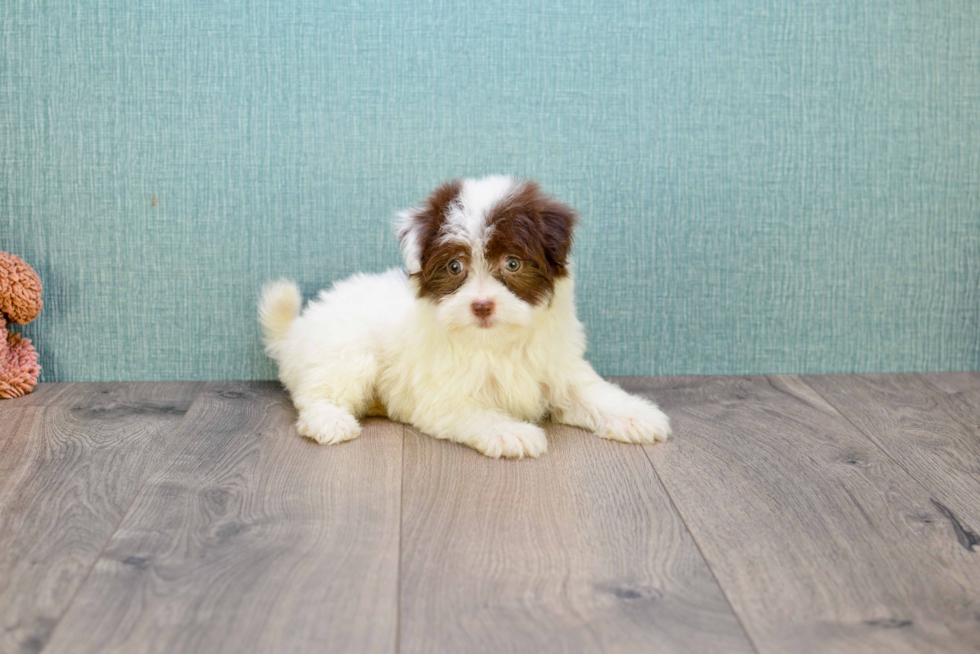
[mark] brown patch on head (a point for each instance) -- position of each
(434, 278)
(537, 229)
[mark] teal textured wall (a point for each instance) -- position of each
(765, 186)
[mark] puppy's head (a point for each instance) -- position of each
(487, 252)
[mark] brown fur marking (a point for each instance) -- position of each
(434, 277)
(529, 225)
(536, 229)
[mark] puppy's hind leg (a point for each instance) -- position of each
(331, 397)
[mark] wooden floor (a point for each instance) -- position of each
(788, 514)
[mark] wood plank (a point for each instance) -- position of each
(933, 433)
(70, 466)
(250, 538)
(578, 551)
(821, 541)
(961, 384)
(47, 393)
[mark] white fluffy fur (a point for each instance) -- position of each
(369, 342)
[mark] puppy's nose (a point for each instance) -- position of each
(482, 308)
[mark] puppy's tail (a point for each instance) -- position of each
(279, 306)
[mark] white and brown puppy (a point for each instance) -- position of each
(477, 343)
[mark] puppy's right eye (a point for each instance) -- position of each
(455, 267)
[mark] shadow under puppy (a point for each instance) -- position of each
(475, 342)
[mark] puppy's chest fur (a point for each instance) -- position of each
(437, 375)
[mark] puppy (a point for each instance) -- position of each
(476, 342)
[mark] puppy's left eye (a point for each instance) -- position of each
(512, 264)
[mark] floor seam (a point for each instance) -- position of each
(401, 531)
(926, 381)
(122, 518)
(704, 558)
(874, 442)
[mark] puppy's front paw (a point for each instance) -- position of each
(328, 424)
(644, 424)
(513, 441)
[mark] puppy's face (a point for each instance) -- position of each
(487, 252)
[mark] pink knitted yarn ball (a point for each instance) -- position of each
(20, 302)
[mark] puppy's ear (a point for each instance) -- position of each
(417, 227)
(557, 223)
(407, 228)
